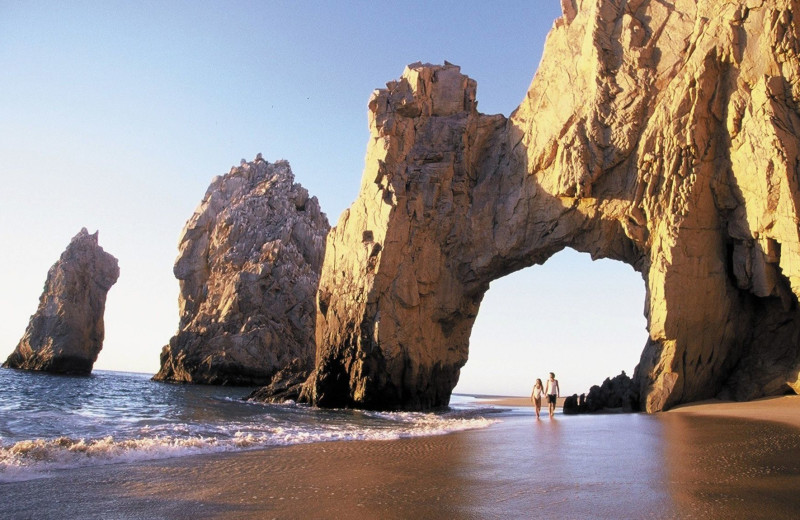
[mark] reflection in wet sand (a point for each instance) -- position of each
(586, 467)
(720, 467)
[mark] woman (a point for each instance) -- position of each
(553, 393)
(536, 396)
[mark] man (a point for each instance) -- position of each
(553, 393)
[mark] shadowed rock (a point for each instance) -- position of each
(617, 394)
(66, 333)
(249, 265)
(663, 135)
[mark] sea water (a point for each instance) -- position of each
(50, 422)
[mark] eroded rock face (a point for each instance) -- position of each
(617, 394)
(660, 134)
(249, 265)
(394, 314)
(66, 333)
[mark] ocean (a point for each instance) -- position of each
(50, 423)
(117, 445)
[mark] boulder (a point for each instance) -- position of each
(619, 393)
(571, 405)
(248, 267)
(660, 134)
(285, 386)
(66, 333)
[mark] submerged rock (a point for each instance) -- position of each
(660, 134)
(286, 384)
(66, 333)
(249, 265)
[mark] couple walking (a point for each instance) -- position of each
(551, 391)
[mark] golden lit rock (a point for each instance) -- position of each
(249, 265)
(664, 135)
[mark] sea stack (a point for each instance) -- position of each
(660, 134)
(66, 333)
(248, 267)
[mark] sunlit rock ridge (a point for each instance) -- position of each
(66, 333)
(661, 134)
(248, 267)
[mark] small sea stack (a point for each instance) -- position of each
(66, 333)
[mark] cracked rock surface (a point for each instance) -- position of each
(248, 267)
(663, 135)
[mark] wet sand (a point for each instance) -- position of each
(682, 464)
(524, 402)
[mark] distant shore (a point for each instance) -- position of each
(709, 460)
(783, 409)
(497, 400)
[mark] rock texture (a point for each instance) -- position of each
(66, 333)
(249, 265)
(661, 134)
(615, 394)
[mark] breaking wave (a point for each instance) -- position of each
(35, 440)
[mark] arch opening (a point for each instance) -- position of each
(580, 318)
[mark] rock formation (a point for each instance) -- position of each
(661, 134)
(249, 265)
(619, 393)
(66, 333)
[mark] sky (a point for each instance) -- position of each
(115, 116)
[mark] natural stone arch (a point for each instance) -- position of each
(675, 154)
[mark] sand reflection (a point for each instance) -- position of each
(587, 467)
(720, 467)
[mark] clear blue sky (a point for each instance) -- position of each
(116, 115)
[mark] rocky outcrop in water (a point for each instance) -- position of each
(66, 333)
(285, 386)
(617, 394)
(660, 134)
(248, 267)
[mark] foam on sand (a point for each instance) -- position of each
(33, 458)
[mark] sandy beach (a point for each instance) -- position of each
(785, 409)
(523, 402)
(712, 460)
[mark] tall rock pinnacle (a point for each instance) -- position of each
(249, 265)
(66, 333)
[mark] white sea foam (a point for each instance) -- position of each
(49, 423)
(29, 459)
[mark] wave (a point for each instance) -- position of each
(36, 458)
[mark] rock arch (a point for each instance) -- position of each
(661, 136)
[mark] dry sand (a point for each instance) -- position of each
(703, 461)
(785, 409)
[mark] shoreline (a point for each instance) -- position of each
(719, 460)
(783, 409)
(514, 401)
